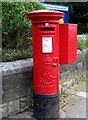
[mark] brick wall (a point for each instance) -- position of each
(17, 82)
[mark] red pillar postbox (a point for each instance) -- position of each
(45, 29)
(53, 44)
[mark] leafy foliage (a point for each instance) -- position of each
(13, 54)
(81, 43)
(16, 28)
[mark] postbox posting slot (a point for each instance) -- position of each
(46, 29)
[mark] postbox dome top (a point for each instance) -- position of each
(45, 15)
(44, 11)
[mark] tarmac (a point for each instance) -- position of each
(76, 105)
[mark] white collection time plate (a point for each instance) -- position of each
(47, 45)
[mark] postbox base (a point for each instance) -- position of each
(46, 106)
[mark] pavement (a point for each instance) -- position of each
(76, 98)
(77, 105)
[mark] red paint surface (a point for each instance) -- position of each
(64, 46)
(67, 43)
(45, 65)
(45, 74)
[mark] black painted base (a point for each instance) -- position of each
(46, 106)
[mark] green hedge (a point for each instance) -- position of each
(14, 54)
(16, 28)
(82, 44)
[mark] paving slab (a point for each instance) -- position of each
(25, 114)
(63, 114)
(82, 94)
(76, 107)
(28, 114)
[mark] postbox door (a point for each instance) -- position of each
(45, 54)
